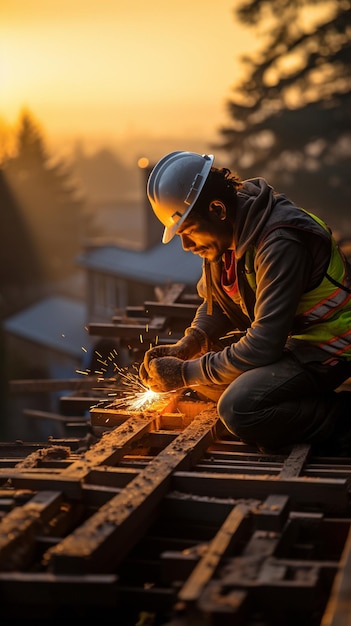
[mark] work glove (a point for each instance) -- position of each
(162, 374)
(186, 348)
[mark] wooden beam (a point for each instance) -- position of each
(42, 590)
(18, 528)
(296, 461)
(40, 385)
(327, 493)
(204, 570)
(57, 417)
(175, 309)
(338, 608)
(108, 535)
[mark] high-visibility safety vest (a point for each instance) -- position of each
(323, 316)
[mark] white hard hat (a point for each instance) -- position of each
(174, 185)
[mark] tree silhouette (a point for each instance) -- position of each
(30, 144)
(21, 274)
(50, 205)
(291, 114)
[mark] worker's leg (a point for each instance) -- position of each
(286, 403)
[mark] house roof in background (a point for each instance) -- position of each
(158, 265)
(58, 323)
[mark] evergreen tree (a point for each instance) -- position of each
(21, 274)
(291, 114)
(49, 201)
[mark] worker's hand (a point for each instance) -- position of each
(186, 348)
(162, 374)
(162, 351)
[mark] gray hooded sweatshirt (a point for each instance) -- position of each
(292, 253)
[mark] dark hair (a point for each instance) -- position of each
(221, 184)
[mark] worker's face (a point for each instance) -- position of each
(210, 235)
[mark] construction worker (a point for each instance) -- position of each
(271, 340)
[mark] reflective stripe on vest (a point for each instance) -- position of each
(323, 315)
(330, 298)
(338, 345)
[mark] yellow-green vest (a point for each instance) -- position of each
(323, 315)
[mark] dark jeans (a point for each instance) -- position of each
(287, 402)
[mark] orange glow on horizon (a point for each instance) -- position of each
(108, 72)
(110, 69)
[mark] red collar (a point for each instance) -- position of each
(228, 279)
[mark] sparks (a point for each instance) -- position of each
(137, 397)
(132, 394)
(84, 373)
(144, 399)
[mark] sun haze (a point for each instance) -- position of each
(107, 70)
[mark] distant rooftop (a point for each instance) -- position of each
(57, 323)
(158, 265)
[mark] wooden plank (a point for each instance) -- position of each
(296, 461)
(104, 539)
(109, 449)
(238, 468)
(43, 480)
(222, 609)
(130, 330)
(22, 590)
(239, 461)
(244, 459)
(56, 417)
(325, 493)
(18, 528)
(257, 582)
(338, 609)
(332, 471)
(42, 385)
(113, 445)
(135, 311)
(175, 309)
(194, 508)
(217, 548)
(273, 513)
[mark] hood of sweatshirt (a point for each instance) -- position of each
(255, 202)
(254, 206)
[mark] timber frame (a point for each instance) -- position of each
(161, 517)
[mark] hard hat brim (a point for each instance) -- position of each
(170, 231)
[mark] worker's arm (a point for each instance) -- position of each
(283, 272)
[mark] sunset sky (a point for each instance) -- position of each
(109, 71)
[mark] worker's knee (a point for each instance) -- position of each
(235, 411)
